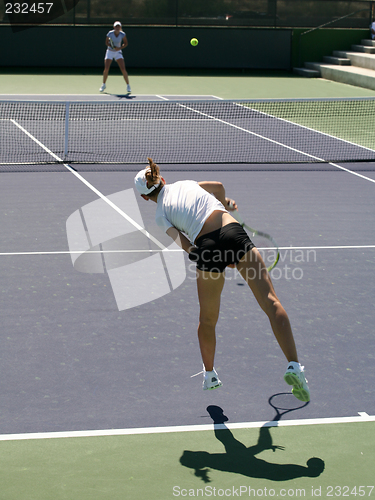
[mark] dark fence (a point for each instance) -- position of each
(235, 13)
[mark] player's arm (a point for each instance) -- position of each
(180, 239)
(124, 43)
(218, 190)
(107, 41)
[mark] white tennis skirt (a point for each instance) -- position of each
(113, 54)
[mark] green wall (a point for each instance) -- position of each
(169, 47)
(149, 47)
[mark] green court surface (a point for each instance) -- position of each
(244, 462)
(227, 85)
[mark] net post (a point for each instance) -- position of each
(66, 129)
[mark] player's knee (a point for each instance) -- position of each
(208, 320)
(270, 305)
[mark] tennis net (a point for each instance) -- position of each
(188, 132)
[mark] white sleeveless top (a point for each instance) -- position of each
(186, 206)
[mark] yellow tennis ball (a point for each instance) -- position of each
(194, 42)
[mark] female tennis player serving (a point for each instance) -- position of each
(216, 240)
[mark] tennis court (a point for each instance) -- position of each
(99, 393)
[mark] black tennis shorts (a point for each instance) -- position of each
(217, 249)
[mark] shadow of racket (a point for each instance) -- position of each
(285, 402)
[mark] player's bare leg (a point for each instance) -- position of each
(107, 65)
(210, 286)
(254, 271)
(121, 64)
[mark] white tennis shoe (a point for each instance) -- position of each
(103, 87)
(128, 89)
(295, 377)
(211, 380)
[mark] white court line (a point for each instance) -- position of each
(80, 252)
(96, 191)
(329, 247)
(277, 143)
(125, 120)
(63, 252)
(67, 252)
(363, 417)
(185, 97)
(98, 96)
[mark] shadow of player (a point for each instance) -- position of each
(241, 459)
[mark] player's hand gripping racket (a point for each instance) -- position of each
(264, 242)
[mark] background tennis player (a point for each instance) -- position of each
(115, 41)
(215, 240)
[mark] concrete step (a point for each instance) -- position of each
(363, 48)
(342, 61)
(307, 73)
(357, 58)
(314, 66)
(369, 43)
(351, 75)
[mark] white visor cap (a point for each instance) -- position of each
(117, 23)
(140, 182)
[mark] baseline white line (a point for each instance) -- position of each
(67, 252)
(92, 120)
(329, 247)
(96, 191)
(363, 417)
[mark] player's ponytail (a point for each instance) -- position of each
(153, 176)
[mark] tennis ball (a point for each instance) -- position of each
(194, 42)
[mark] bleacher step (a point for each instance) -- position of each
(369, 43)
(341, 61)
(307, 73)
(363, 48)
(351, 75)
(359, 59)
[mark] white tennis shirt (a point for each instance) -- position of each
(117, 40)
(186, 206)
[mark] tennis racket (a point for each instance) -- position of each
(264, 242)
(112, 45)
(284, 403)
